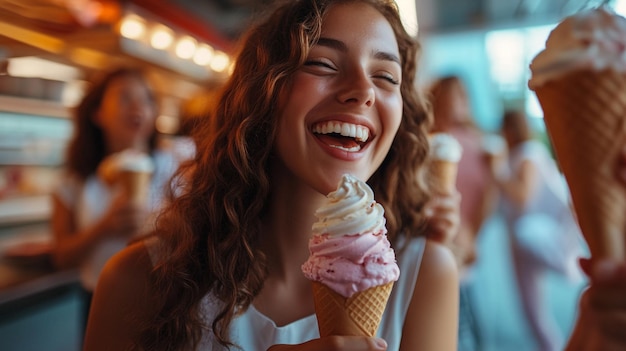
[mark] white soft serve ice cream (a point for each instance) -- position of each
(589, 40)
(125, 161)
(445, 147)
(349, 250)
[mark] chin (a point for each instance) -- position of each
(330, 179)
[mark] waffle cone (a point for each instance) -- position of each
(357, 315)
(443, 176)
(136, 185)
(585, 117)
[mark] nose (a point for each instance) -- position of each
(357, 89)
(139, 104)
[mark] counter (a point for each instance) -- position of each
(40, 308)
(23, 287)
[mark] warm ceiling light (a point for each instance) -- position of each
(186, 47)
(133, 27)
(220, 62)
(203, 55)
(231, 68)
(162, 37)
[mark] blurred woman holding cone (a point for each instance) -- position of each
(452, 115)
(99, 206)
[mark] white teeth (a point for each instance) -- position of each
(349, 149)
(337, 128)
(360, 133)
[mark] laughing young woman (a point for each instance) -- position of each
(224, 267)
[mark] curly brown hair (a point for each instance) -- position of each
(210, 233)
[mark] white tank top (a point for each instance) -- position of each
(89, 200)
(252, 331)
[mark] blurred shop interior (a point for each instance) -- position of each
(49, 48)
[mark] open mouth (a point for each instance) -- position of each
(344, 136)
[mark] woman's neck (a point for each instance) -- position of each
(117, 146)
(287, 225)
(286, 232)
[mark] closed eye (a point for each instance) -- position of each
(389, 78)
(318, 63)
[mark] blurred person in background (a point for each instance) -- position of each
(92, 220)
(543, 231)
(452, 114)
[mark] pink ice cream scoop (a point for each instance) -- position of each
(349, 250)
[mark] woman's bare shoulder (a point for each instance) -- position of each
(131, 264)
(439, 260)
(121, 299)
(432, 316)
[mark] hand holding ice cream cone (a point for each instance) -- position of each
(580, 80)
(132, 171)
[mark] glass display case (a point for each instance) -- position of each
(33, 137)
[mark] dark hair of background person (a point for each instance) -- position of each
(437, 94)
(517, 126)
(213, 232)
(88, 147)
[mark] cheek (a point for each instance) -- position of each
(394, 114)
(105, 118)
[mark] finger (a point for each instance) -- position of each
(451, 200)
(442, 232)
(337, 343)
(437, 236)
(612, 325)
(608, 272)
(607, 298)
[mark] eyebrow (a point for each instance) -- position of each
(341, 46)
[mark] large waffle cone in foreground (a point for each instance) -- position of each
(585, 117)
(443, 175)
(357, 315)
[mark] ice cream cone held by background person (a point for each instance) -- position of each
(351, 264)
(445, 154)
(132, 171)
(580, 81)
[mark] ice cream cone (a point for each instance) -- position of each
(443, 175)
(585, 115)
(357, 315)
(445, 154)
(136, 185)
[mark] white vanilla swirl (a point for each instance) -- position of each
(593, 40)
(445, 147)
(350, 209)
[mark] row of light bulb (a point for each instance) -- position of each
(161, 37)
